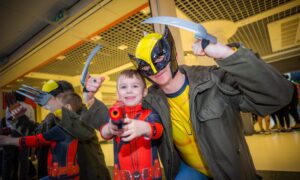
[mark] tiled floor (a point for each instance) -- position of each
(276, 156)
(276, 151)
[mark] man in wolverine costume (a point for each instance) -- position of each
(200, 106)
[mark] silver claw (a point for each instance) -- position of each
(87, 64)
(38, 96)
(26, 95)
(198, 29)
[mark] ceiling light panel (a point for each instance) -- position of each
(128, 32)
(234, 10)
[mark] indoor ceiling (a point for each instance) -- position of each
(281, 18)
(21, 22)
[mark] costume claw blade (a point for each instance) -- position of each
(198, 29)
(38, 96)
(32, 88)
(87, 64)
(26, 95)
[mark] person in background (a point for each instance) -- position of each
(267, 123)
(90, 155)
(16, 163)
(62, 162)
(54, 88)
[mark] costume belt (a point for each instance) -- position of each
(69, 170)
(150, 173)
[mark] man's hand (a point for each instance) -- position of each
(135, 128)
(92, 85)
(216, 51)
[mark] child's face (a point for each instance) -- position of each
(52, 105)
(131, 90)
(67, 106)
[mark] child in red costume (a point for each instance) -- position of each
(62, 160)
(135, 144)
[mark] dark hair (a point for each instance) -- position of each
(73, 99)
(133, 73)
(65, 86)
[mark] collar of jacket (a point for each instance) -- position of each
(197, 75)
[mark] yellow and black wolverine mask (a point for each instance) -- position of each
(154, 52)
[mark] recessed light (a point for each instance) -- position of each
(123, 47)
(146, 11)
(96, 38)
(90, 63)
(61, 57)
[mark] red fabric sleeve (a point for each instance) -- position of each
(33, 141)
(156, 130)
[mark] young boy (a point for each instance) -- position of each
(135, 144)
(62, 162)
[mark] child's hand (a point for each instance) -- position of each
(113, 129)
(109, 130)
(135, 128)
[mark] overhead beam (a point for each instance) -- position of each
(55, 77)
(268, 13)
(279, 56)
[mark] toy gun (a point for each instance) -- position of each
(117, 114)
